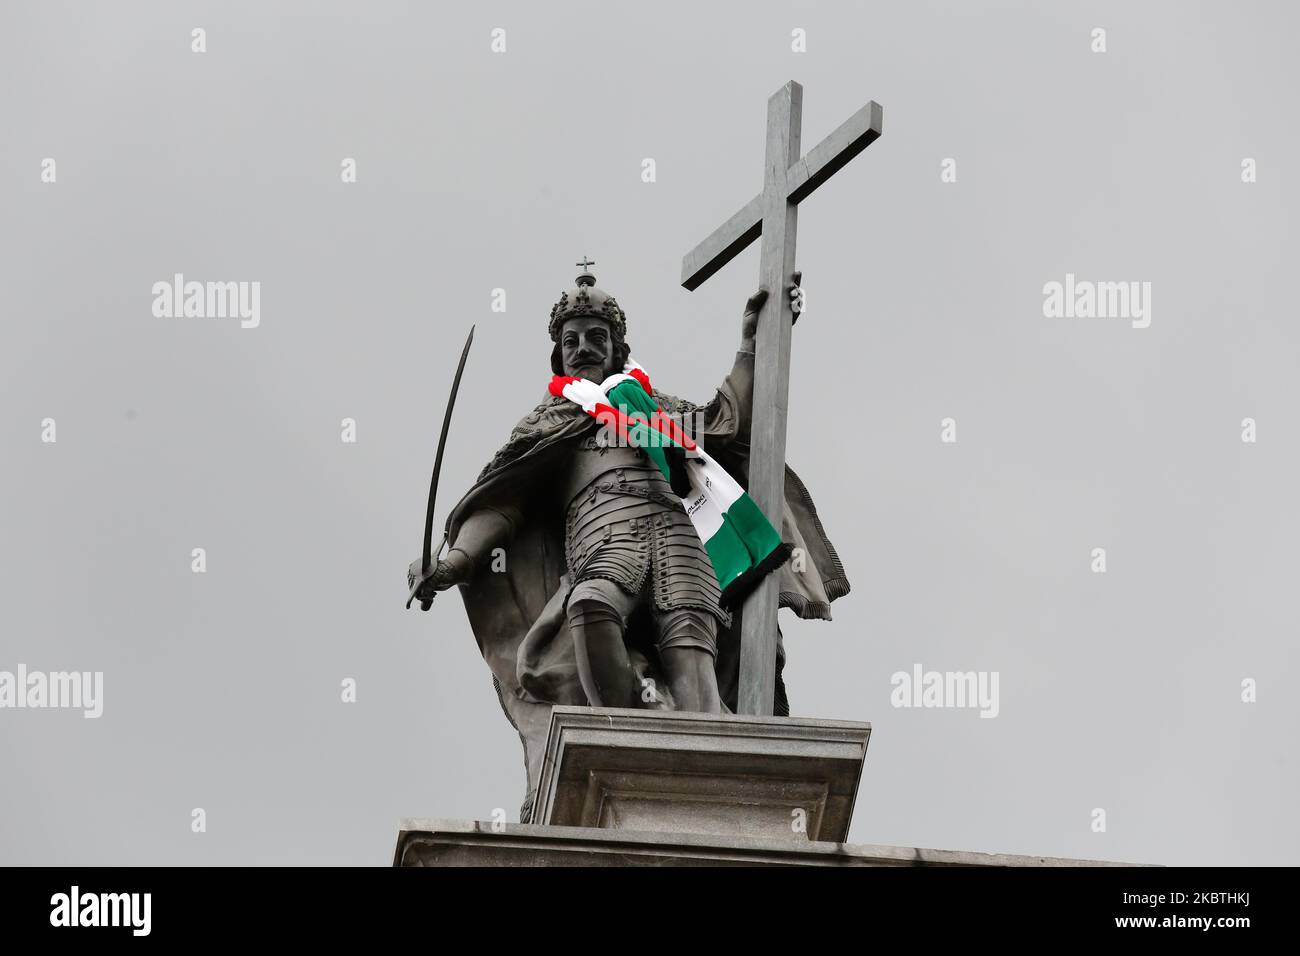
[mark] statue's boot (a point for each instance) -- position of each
(693, 679)
(603, 665)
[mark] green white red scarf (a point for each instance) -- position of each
(740, 541)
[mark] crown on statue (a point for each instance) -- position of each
(585, 299)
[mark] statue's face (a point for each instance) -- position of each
(587, 348)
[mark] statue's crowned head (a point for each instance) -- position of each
(589, 330)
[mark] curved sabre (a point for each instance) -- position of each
(427, 556)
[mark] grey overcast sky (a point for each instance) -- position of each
(479, 170)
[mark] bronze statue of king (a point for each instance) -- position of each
(607, 596)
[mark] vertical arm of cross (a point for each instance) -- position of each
(789, 178)
(771, 389)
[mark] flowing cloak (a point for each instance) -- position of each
(518, 614)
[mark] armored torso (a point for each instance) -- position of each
(624, 523)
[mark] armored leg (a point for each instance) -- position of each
(688, 648)
(597, 615)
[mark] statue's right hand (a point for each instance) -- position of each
(455, 569)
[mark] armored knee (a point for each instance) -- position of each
(588, 615)
(595, 603)
(688, 627)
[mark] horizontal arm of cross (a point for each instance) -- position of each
(825, 159)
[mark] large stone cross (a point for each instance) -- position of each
(773, 214)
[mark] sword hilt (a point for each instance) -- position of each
(426, 603)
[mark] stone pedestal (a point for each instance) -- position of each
(668, 772)
(649, 788)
